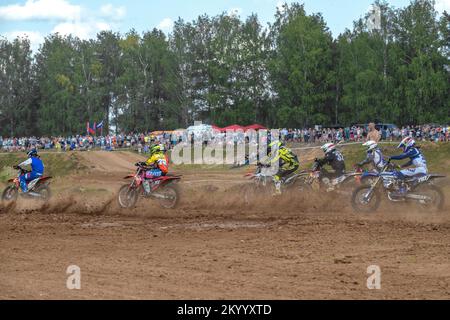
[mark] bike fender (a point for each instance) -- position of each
(129, 176)
(437, 176)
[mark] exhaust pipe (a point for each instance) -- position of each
(417, 197)
(34, 194)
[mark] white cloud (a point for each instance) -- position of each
(235, 12)
(166, 24)
(81, 29)
(35, 37)
(64, 18)
(443, 5)
(108, 10)
(280, 5)
(41, 10)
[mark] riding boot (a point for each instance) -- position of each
(277, 188)
(147, 189)
(23, 186)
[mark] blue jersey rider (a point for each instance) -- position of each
(416, 159)
(37, 169)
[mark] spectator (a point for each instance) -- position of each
(373, 134)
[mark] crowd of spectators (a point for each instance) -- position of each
(79, 142)
(142, 141)
(359, 133)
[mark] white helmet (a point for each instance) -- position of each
(407, 144)
(328, 147)
(371, 145)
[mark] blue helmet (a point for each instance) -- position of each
(32, 153)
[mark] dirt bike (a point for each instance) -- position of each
(163, 188)
(37, 188)
(261, 178)
(263, 183)
(367, 198)
(316, 179)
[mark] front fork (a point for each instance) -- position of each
(368, 195)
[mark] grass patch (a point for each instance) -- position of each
(437, 155)
(56, 164)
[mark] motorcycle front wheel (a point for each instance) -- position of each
(127, 196)
(10, 194)
(362, 203)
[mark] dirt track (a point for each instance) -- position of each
(213, 247)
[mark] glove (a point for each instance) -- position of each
(16, 167)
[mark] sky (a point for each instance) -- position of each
(84, 18)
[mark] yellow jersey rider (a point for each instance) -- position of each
(287, 162)
(158, 163)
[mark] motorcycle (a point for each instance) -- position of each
(37, 188)
(263, 179)
(316, 179)
(163, 188)
(263, 184)
(367, 198)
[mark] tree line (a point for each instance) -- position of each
(223, 70)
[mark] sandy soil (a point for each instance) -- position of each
(213, 246)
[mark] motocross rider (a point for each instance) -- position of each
(374, 156)
(158, 166)
(335, 159)
(416, 159)
(287, 161)
(37, 169)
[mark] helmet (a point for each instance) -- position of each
(407, 144)
(32, 153)
(328, 147)
(371, 145)
(156, 148)
(276, 144)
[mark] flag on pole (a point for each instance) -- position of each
(90, 130)
(100, 126)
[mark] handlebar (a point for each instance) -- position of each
(21, 169)
(143, 165)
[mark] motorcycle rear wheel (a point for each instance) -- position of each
(45, 192)
(171, 196)
(436, 195)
